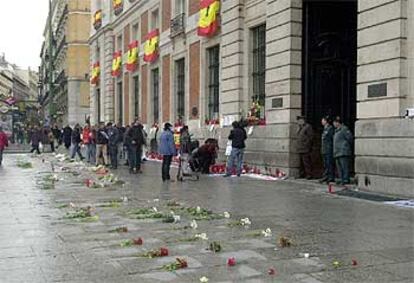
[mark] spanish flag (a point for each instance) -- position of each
(151, 46)
(97, 19)
(208, 22)
(132, 56)
(96, 71)
(117, 64)
(117, 6)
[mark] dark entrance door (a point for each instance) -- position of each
(329, 60)
(329, 64)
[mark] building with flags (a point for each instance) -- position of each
(65, 71)
(208, 63)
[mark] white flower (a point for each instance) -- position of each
(198, 209)
(202, 236)
(194, 224)
(156, 200)
(155, 209)
(267, 233)
(124, 199)
(172, 213)
(226, 215)
(306, 255)
(245, 221)
(204, 279)
(72, 205)
(177, 218)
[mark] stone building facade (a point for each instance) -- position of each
(70, 62)
(348, 58)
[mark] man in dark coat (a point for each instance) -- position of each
(135, 140)
(238, 137)
(304, 147)
(76, 140)
(67, 136)
(113, 140)
(36, 138)
(327, 150)
(342, 150)
(102, 145)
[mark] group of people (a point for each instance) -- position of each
(336, 149)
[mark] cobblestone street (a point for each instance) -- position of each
(315, 236)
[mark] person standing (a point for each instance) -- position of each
(67, 136)
(113, 140)
(305, 138)
(4, 142)
(238, 137)
(135, 140)
(102, 145)
(57, 134)
(51, 139)
(76, 140)
(342, 150)
(92, 144)
(86, 139)
(327, 150)
(36, 137)
(167, 150)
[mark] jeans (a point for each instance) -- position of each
(236, 154)
(328, 164)
(101, 152)
(342, 163)
(1, 156)
(90, 153)
(52, 146)
(113, 153)
(75, 149)
(166, 163)
(134, 157)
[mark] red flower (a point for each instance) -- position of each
(182, 263)
(164, 252)
(231, 261)
(271, 271)
(138, 241)
(354, 262)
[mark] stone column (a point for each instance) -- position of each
(106, 76)
(283, 79)
(384, 146)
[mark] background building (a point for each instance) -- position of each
(64, 71)
(272, 61)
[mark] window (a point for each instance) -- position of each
(98, 104)
(120, 102)
(259, 64)
(179, 7)
(156, 95)
(154, 20)
(180, 87)
(135, 30)
(136, 97)
(213, 58)
(119, 43)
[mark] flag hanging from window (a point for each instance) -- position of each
(208, 22)
(151, 46)
(117, 64)
(132, 56)
(97, 19)
(96, 71)
(117, 6)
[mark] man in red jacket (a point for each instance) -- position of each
(4, 142)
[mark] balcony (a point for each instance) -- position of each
(177, 26)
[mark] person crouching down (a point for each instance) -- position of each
(167, 150)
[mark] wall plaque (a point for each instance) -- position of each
(277, 102)
(377, 90)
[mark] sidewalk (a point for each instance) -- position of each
(37, 242)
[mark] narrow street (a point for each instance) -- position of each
(315, 236)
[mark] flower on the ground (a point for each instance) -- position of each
(204, 279)
(245, 221)
(177, 218)
(354, 262)
(155, 209)
(164, 252)
(306, 255)
(226, 215)
(124, 199)
(138, 241)
(271, 271)
(284, 242)
(202, 236)
(198, 209)
(215, 247)
(336, 264)
(156, 200)
(194, 224)
(231, 261)
(72, 205)
(267, 233)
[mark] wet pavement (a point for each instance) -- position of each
(333, 238)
